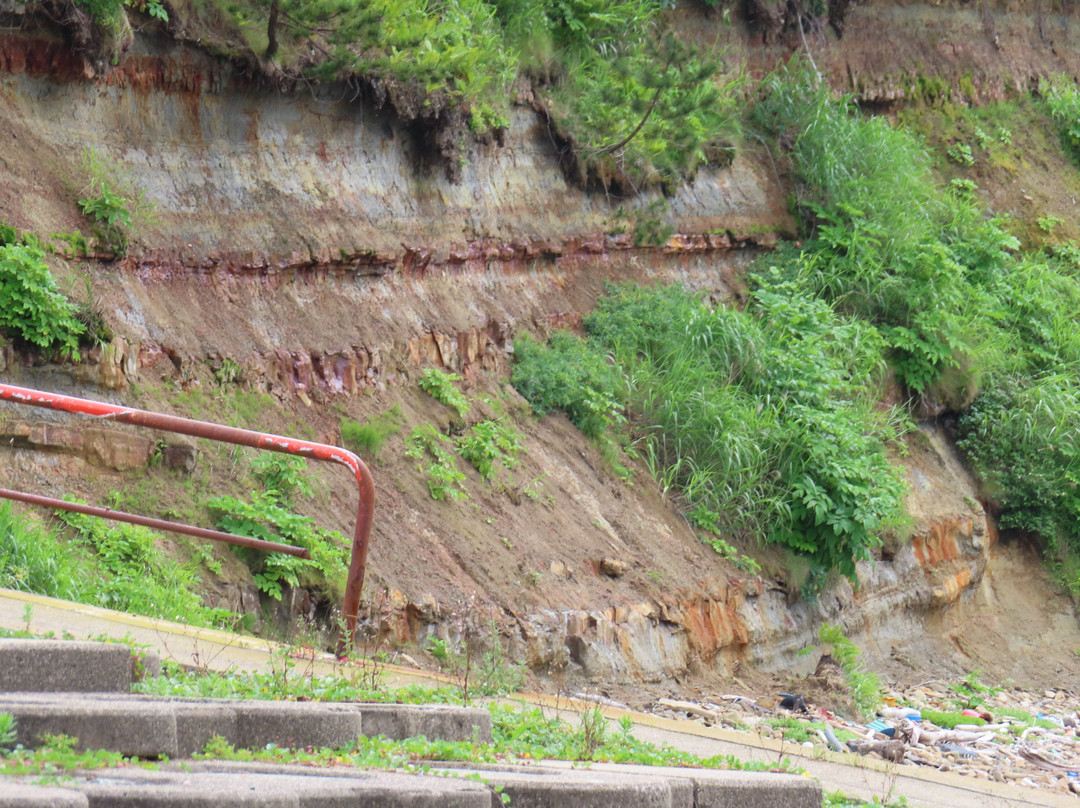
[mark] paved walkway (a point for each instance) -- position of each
(867, 778)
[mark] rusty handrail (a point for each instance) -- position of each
(226, 434)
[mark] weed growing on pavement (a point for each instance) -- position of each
(519, 733)
(55, 755)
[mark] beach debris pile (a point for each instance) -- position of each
(970, 729)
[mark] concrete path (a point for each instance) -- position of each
(866, 778)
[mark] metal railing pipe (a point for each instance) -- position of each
(226, 434)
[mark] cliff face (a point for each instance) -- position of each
(306, 238)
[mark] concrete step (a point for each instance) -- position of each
(153, 727)
(139, 788)
(540, 786)
(48, 666)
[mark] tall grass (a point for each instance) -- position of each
(760, 421)
(116, 566)
(33, 559)
(884, 242)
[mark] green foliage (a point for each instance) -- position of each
(110, 215)
(444, 478)
(1063, 101)
(635, 107)
(949, 720)
(961, 153)
(1048, 223)
(56, 754)
(116, 566)
(1022, 440)
(489, 445)
(971, 693)
(653, 114)
(566, 374)
(441, 386)
(481, 665)
(34, 560)
(152, 8)
(137, 576)
(884, 242)
(269, 516)
(31, 308)
(103, 12)
(109, 201)
(8, 732)
(763, 419)
(108, 13)
(865, 686)
(368, 438)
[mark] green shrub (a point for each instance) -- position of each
(112, 203)
(113, 565)
(1021, 439)
(652, 115)
(763, 419)
(444, 478)
(565, 374)
(884, 242)
(1063, 101)
(31, 308)
(139, 577)
(440, 385)
(488, 445)
(269, 516)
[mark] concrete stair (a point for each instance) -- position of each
(82, 690)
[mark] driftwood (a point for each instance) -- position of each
(914, 734)
(689, 707)
(890, 750)
(1035, 759)
(742, 701)
(603, 701)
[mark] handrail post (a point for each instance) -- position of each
(354, 583)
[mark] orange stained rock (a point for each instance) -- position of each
(941, 542)
(951, 587)
(712, 625)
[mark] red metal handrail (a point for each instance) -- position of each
(226, 434)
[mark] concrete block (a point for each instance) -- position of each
(696, 788)
(140, 729)
(198, 722)
(145, 665)
(296, 724)
(49, 666)
(721, 788)
(728, 789)
(25, 795)
(551, 788)
(245, 786)
(435, 721)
